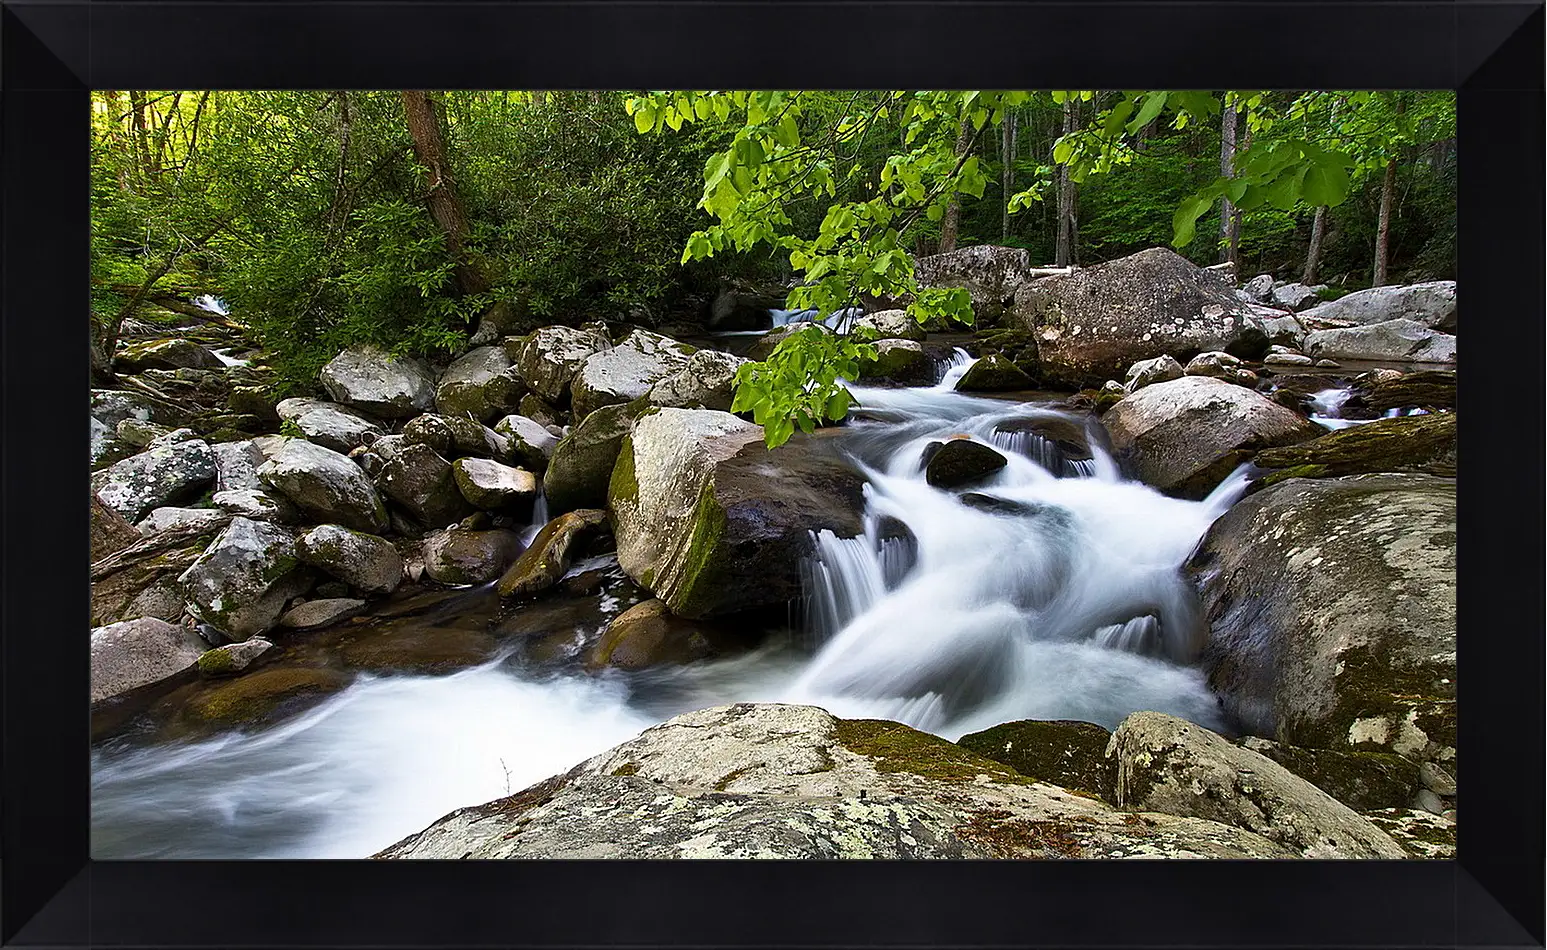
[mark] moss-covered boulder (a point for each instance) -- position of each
(328, 424)
(890, 325)
(551, 355)
(469, 557)
(1428, 389)
(529, 443)
(481, 384)
(542, 564)
(363, 561)
(368, 378)
(241, 583)
(626, 371)
(1424, 443)
(1062, 752)
(324, 485)
(124, 582)
(992, 374)
(1361, 780)
(424, 484)
(233, 658)
(582, 462)
(957, 463)
(897, 361)
(261, 696)
(1401, 341)
(706, 381)
(136, 486)
(165, 354)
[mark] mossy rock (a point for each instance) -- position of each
(252, 699)
(1431, 389)
(1361, 780)
(415, 649)
(895, 747)
(1425, 443)
(994, 373)
(1061, 752)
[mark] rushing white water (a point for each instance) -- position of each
(224, 356)
(211, 303)
(1054, 590)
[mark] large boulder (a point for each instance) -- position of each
(1092, 324)
(455, 436)
(957, 463)
(1425, 443)
(582, 461)
(236, 466)
(136, 653)
(990, 274)
(1430, 388)
(1170, 765)
(890, 325)
(543, 563)
(490, 486)
(529, 442)
(713, 522)
(363, 561)
(551, 355)
(994, 373)
(161, 476)
(1398, 341)
(112, 406)
(625, 372)
(482, 383)
(1296, 297)
(328, 424)
(469, 557)
(774, 781)
(706, 381)
(367, 378)
(325, 485)
(1363, 781)
(258, 505)
(902, 362)
(1184, 436)
(1432, 304)
(165, 354)
(1332, 613)
(422, 482)
(240, 584)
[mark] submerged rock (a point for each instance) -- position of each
(648, 635)
(256, 697)
(1430, 389)
(137, 653)
(368, 378)
(241, 583)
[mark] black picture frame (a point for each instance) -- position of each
(53, 51)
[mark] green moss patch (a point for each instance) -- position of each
(1065, 753)
(899, 748)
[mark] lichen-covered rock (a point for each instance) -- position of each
(1421, 833)
(1424, 443)
(165, 354)
(321, 613)
(706, 381)
(582, 462)
(422, 482)
(990, 274)
(1184, 436)
(490, 486)
(1287, 359)
(139, 433)
(542, 564)
(390, 387)
(890, 325)
(1400, 340)
(109, 531)
(481, 384)
(233, 658)
(1259, 288)
(325, 485)
(1332, 612)
(469, 557)
(648, 635)
(240, 584)
(897, 361)
(257, 505)
(163, 519)
(1295, 296)
(1066, 753)
(155, 478)
(137, 653)
(956, 463)
(328, 424)
(1161, 369)
(236, 466)
(550, 357)
(1092, 324)
(1432, 304)
(1361, 780)
(106, 447)
(711, 521)
(363, 561)
(994, 373)
(1170, 765)
(1218, 364)
(141, 579)
(112, 406)
(529, 442)
(770, 781)
(626, 371)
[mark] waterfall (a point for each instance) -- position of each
(539, 517)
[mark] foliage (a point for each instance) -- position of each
(799, 384)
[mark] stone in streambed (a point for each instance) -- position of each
(363, 561)
(542, 565)
(368, 378)
(960, 462)
(321, 613)
(241, 583)
(463, 557)
(137, 653)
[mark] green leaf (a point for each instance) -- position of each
(1153, 103)
(787, 134)
(644, 119)
(1184, 222)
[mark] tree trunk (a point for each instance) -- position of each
(1388, 190)
(141, 139)
(445, 207)
(1065, 246)
(1007, 159)
(1229, 233)
(1313, 255)
(951, 223)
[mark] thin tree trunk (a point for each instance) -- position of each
(444, 204)
(1007, 159)
(161, 137)
(1065, 246)
(1313, 255)
(1229, 235)
(1388, 190)
(951, 223)
(141, 142)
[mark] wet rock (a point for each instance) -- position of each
(1430, 389)
(106, 447)
(582, 462)
(551, 356)
(1184, 436)
(770, 341)
(321, 613)
(240, 584)
(1169, 765)
(469, 557)
(993, 374)
(1287, 359)
(233, 658)
(260, 696)
(1398, 340)
(1066, 753)
(1332, 612)
(706, 381)
(1424, 443)
(1360, 780)
(890, 325)
(325, 485)
(960, 462)
(530, 444)
(112, 406)
(385, 386)
(713, 522)
(480, 384)
(109, 531)
(540, 411)
(328, 424)
(172, 438)
(542, 564)
(1148, 372)
(1421, 833)
(1432, 304)
(626, 371)
(648, 635)
(778, 781)
(137, 653)
(155, 478)
(363, 561)
(165, 354)
(141, 579)
(491, 486)
(897, 361)
(162, 519)
(424, 484)
(1218, 364)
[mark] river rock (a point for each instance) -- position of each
(1423, 834)
(776, 781)
(990, 274)
(1218, 364)
(542, 564)
(490, 486)
(106, 447)
(141, 434)
(1332, 612)
(163, 519)
(1092, 324)
(648, 635)
(1147, 372)
(770, 341)
(254, 401)
(321, 613)
(136, 653)
(706, 381)
(257, 505)
(1184, 436)
(112, 406)
(233, 658)
(109, 531)
(236, 466)
(956, 463)
(241, 583)
(389, 387)
(155, 478)
(1400, 340)
(1425, 443)
(1361, 780)
(424, 484)
(141, 579)
(1432, 304)
(1170, 765)
(897, 361)
(1259, 288)
(529, 443)
(1295, 297)
(469, 557)
(260, 696)
(1065, 753)
(1287, 359)
(626, 371)
(992, 374)
(363, 561)
(551, 356)
(328, 424)
(165, 354)
(582, 461)
(481, 384)
(1430, 389)
(712, 522)
(890, 325)
(325, 485)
